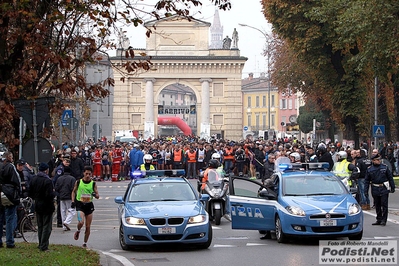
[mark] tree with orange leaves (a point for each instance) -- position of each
(44, 46)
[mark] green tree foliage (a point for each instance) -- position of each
(306, 116)
(333, 50)
(44, 46)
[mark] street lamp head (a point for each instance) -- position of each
(242, 25)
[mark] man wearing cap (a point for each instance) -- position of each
(26, 174)
(42, 192)
(63, 188)
(380, 178)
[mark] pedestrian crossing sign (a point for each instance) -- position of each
(65, 116)
(378, 131)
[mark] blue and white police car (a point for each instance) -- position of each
(303, 200)
(163, 208)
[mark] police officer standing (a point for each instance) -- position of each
(381, 180)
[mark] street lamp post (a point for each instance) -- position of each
(268, 41)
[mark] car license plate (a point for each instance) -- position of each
(328, 222)
(167, 230)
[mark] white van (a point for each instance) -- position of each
(128, 139)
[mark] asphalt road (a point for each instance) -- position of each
(229, 247)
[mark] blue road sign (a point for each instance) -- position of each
(65, 116)
(378, 131)
(245, 128)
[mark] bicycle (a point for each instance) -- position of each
(28, 224)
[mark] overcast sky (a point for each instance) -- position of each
(251, 42)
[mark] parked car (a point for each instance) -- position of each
(304, 200)
(162, 209)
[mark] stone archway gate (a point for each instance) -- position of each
(180, 54)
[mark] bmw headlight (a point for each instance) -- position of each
(354, 209)
(135, 221)
(294, 210)
(197, 219)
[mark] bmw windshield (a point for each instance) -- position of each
(312, 185)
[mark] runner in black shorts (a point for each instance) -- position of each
(82, 198)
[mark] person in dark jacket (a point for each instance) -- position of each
(64, 188)
(11, 187)
(381, 180)
(269, 167)
(77, 165)
(363, 163)
(59, 171)
(42, 192)
(324, 156)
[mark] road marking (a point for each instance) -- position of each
(224, 246)
(232, 237)
(255, 244)
(375, 215)
(122, 259)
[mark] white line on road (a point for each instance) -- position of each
(122, 259)
(224, 246)
(255, 244)
(375, 215)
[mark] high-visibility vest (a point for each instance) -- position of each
(177, 156)
(341, 169)
(142, 167)
(229, 156)
(191, 156)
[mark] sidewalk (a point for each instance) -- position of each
(108, 260)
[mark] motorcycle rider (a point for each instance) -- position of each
(342, 168)
(218, 157)
(147, 163)
(214, 165)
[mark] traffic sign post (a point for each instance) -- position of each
(378, 131)
(66, 114)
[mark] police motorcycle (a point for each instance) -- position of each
(217, 188)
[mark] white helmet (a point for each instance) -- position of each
(296, 156)
(216, 156)
(342, 155)
(147, 157)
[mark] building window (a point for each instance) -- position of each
(136, 119)
(290, 104)
(264, 101)
(257, 121)
(218, 89)
(257, 101)
(272, 104)
(163, 102)
(283, 104)
(249, 120)
(218, 119)
(249, 101)
(273, 118)
(135, 89)
(264, 120)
